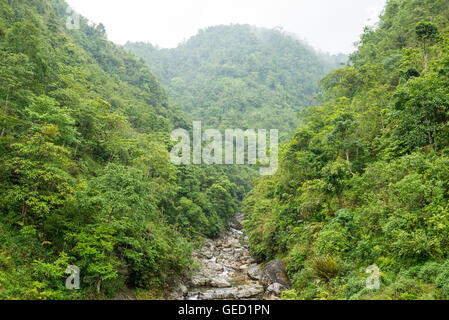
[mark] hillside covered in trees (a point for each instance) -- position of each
(364, 181)
(85, 172)
(86, 177)
(240, 76)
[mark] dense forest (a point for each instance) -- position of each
(240, 76)
(364, 181)
(85, 172)
(86, 177)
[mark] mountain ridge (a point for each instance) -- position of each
(248, 77)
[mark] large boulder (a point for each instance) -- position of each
(240, 292)
(220, 282)
(254, 272)
(275, 290)
(179, 292)
(275, 272)
(198, 281)
(249, 291)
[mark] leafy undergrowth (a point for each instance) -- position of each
(364, 182)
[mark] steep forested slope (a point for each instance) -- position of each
(85, 174)
(240, 76)
(365, 179)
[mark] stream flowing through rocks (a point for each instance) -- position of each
(226, 271)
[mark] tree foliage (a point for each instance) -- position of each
(364, 180)
(85, 172)
(240, 76)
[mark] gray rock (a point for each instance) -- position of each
(220, 282)
(254, 272)
(249, 291)
(275, 289)
(213, 266)
(199, 281)
(179, 292)
(275, 272)
(240, 292)
(227, 293)
(243, 267)
(207, 254)
(182, 290)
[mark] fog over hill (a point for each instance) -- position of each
(240, 76)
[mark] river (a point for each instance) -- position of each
(227, 270)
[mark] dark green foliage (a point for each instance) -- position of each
(426, 31)
(365, 179)
(85, 172)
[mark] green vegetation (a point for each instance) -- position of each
(86, 179)
(85, 174)
(240, 76)
(365, 179)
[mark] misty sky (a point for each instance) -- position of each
(329, 25)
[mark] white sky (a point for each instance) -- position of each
(329, 25)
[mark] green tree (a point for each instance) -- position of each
(37, 183)
(426, 33)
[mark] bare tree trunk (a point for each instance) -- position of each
(435, 130)
(340, 201)
(426, 58)
(99, 285)
(349, 162)
(426, 62)
(24, 213)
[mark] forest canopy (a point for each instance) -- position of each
(364, 181)
(240, 76)
(85, 172)
(86, 177)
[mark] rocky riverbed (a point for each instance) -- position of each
(228, 272)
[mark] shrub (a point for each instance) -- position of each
(406, 286)
(442, 281)
(296, 259)
(354, 285)
(303, 278)
(326, 268)
(289, 295)
(429, 271)
(334, 242)
(310, 292)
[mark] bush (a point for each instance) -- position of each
(429, 271)
(326, 268)
(332, 242)
(406, 286)
(310, 292)
(354, 285)
(442, 281)
(289, 295)
(303, 278)
(296, 259)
